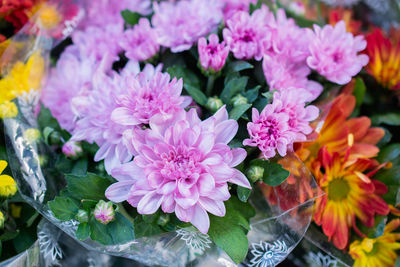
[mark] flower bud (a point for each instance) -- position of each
(214, 104)
(239, 100)
(32, 135)
(82, 216)
(2, 219)
(51, 136)
(163, 219)
(72, 149)
(213, 55)
(104, 212)
(255, 173)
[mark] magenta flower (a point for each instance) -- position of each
(140, 43)
(247, 36)
(334, 53)
(70, 78)
(104, 212)
(183, 165)
(212, 55)
(281, 123)
(180, 24)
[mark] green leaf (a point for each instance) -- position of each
(359, 91)
(83, 231)
(99, 232)
(238, 111)
(45, 119)
(89, 186)
(191, 83)
(64, 208)
(119, 231)
(80, 167)
(8, 236)
(130, 18)
(389, 153)
(232, 239)
(243, 193)
(237, 66)
(88, 204)
(274, 174)
(392, 119)
(252, 94)
(232, 88)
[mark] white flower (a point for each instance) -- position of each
(267, 254)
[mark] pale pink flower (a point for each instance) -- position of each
(247, 36)
(108, 12)
(180, 24)
(104, 212)
(183, 165)
(212, 55)
(334, 53)
(140, 43)
(231, 7)
(145, 97)
(70, 78)
(72, 149)
(95, 42)
(281, 72)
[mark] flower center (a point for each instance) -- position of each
(338, 189)
(248, 36)
(180, 165)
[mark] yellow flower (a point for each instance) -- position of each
(8, 187)
(22, 78)
(49, 16)
(15, 211)
(32, 135)
(377, 252)
(8, 110)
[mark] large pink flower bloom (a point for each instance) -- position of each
(233, 6)
(180, 24)
(247, 36)
(281, 123)
(334, 53)
(140, 43)
(71, 77)
(145, 97)
(213, 55)
(183, 165)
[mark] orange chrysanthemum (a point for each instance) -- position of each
(377, 252)
(384, 54)
(340, 13)
(338, 130)
(350, 194)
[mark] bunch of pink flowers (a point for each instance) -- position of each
(162, 154)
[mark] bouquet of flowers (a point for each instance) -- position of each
(186, 131)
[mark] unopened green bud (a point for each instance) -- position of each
(255, 173)
(239, 100)
(82, 216)
(104, 212)
(2, 219)
(214, 104)
(51, 136)
(163, 219)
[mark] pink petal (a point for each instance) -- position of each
(239, 154)
(119, 191)
(150, 203)
(225, 131)
(124, 116)
(213, 206)
(205, 184)
(127, 171)
(184, 215)
(240, 179)
(168, 205)
(200, 219)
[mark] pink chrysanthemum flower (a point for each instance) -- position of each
(213, 55)
(281, 123)
(108, 12)
(70, 78)
(180, 24)
(95, 42)
(247, 36)
(183, 165)
(95, 124)
(140, 43)
(334, 53)
(231, 7)
(281, 73)
(145, 97)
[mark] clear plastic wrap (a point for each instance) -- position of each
(280, 223)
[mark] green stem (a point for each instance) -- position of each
(210, 84)
(123, 211)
